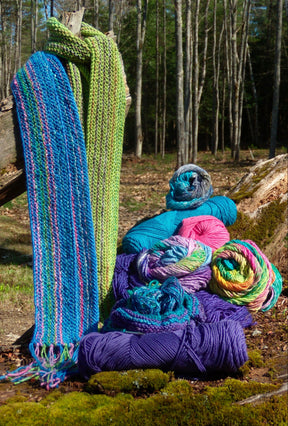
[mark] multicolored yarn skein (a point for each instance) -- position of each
(95, 71)
(145, 234)
(155, 308)
(243, 275)
(190, 186)
(188, 260)
(126, 278)
(64, 255)
(207, 229)
(198, 349)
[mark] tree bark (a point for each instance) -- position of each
(188, 80)
(276, 88)
(157, 81)
(163, 138)
(179, 84)
(141, 30)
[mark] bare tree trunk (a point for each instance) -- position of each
(34, 23)
(164, 83)
(216, 73)
(238, 70)
(223, 116)
(188, 79)
(179, 84)
(141, 30)
(277, 75)
(254, 91)
(96, 13)
(198, 83)
(111, 15)
(157, 80)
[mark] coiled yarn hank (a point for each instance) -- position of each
(190, 187)
(180, 257)
(207, 229)
(197, 350)
(215, 309)
(154, 308)
(243, 275)
(145, 234)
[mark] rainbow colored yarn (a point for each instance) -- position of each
(190, 187)
(188, 260)
(154, 308)
(64, 255)
(95, 71)
(243, 275)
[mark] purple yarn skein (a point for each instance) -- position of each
(197, 350)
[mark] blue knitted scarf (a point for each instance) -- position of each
(64, 255)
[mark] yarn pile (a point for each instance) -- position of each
(183, 291)
(227, 280)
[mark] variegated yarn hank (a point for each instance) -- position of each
(95, 71)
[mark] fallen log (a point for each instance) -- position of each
(12, 175)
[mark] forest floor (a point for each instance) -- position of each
(144, 184)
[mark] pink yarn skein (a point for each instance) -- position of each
(207, 229)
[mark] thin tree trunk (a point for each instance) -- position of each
(198, 85)
(111, 15)
(96, 13)
(164, 83)
(276, 87)
(188, 78)
(223, 116)
(18, 36)
(157, 80)
(34, 23)
(238, 70)
(141, 30)
(254, 91)
(195, 82)
(179, 84)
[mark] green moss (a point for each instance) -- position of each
(23, 413)
(177, 404)
(235, 390)
(136, 382)
(177, 387)
(247, 190)
(261, 230)
(255, 361)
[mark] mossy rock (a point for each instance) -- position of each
(261, 229)
(136, 382)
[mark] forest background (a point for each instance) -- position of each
(203, 74)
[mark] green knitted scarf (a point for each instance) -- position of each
(94, 68)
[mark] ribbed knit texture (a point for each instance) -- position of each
(64, 255)
(93, 61)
